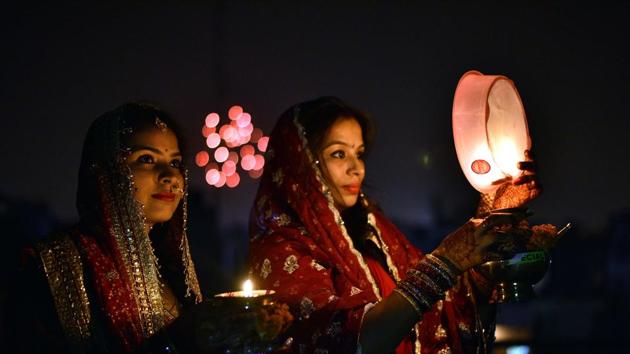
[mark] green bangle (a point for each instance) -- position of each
(448, 266)
(410, 301)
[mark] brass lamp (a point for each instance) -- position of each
(247, 321)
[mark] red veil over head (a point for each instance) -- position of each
(299, 247)
(105, 273)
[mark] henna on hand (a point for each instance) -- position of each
(479, 241)
(458, 247)
(513, 192)
(511, 195)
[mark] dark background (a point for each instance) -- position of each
(64, 64)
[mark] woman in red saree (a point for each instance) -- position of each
(352, 280)
(115, 281)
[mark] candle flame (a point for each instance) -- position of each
(248, 288)
(507, 156)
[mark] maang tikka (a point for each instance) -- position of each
(160, 125)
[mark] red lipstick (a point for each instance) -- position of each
(352, 188)
(164, 196)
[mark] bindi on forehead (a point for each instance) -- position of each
(163, 142)
(345, 132)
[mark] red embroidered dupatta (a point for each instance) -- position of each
(300, 248)
(108, 262)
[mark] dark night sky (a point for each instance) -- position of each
(63, 65)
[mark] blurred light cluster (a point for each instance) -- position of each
(236, 146)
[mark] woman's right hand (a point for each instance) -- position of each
(477, 241)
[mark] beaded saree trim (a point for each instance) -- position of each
(385, 248)
(64, 271)
(190, 275)
(135, 249)
(132, 247)
(331, 206)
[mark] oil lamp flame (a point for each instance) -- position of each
(248, 288)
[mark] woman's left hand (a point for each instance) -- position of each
(516, 192)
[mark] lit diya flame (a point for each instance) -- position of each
(236, 146)
(248, 288)
(247, 292)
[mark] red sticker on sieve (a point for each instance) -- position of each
(480, 167)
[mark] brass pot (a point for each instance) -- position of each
(516, 276)
(232, 323)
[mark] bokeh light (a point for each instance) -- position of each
(213, 140)
(233, 180)
(212, 120)
(229, 168)
(244, 120)
(221, 154)
(202, 158)
(211, 165)
(221, 181)
(233, 156)
(205, 131)
(246, 130)
(244, 139)
(222, 129)
(247, 150)
(255, 173)
(233, 145)
(229, 134)
(248, 162)
(212, 176)
(235, 112)
(260, 162)
(256, 134)
(262, 143)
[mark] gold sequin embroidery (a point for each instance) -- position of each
(445, 350)
(64, 271)
(265, 269)
(440, 332)
(291, 264)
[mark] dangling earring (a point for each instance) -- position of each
(364, 200)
